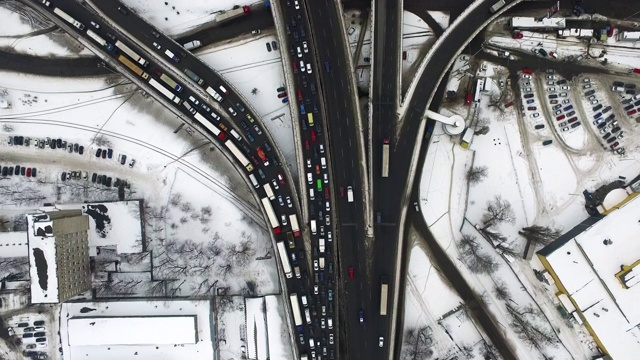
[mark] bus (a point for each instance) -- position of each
(284, 259)
(295, 307)
(209, 126)
(169, 81)
(68, 18)
(132, 54)
(96, 38)
(293, 220)
(239, 155)
(133, 67)
(273, 220)
(384, 292)
(310, 117)
(385, 157)
(164, 91)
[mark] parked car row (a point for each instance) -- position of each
(18, 170)
(48, 142)
(563, 111)
(604, 118)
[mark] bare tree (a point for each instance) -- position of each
(498, 211)
(241, 254)
(4, 223)
(157, 288)
(472, 255)
(541, 235)
(489, 352)
(466, 351)
(501, 291)
(476, 174)
(101, 140)
(205, 287)
(417, 344)
(175, 199)
(225, 270)
(493, 236)
(254, 91)
(526, 324)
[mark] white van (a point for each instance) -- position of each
(312, 344)
(323, 162)
(311, 194)
(236, 135)
(303, 298)
(307, 315)
(309, 178)
(313, 227)
(296, 270)
(254, 181)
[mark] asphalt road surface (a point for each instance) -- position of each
(340, 114)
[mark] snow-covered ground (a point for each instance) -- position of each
(542, 184)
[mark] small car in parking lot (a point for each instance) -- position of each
(535, 115)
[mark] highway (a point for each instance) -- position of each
(386, 191)
(252, 138)
(347, 170)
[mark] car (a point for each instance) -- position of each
(594, 102)
(309, 71)
(313, 135)
(98, 152)
(41, 339)
(590, 92)
(565, 87)
(289, 203)
(11, 331)
(615, 129)
(28, 173)
(553, 96)
(527, 71)
(631, 112)
(551, 89)
(323, 323)
(63, 176)
(614, 145)
(156, 45)
(570, 113)
(283, 220)
(331, 339)
(315, 289)
(257, 129)
(528, 96)
(80, 149)
(530, 101)
(561, 81)
(351, 273)
(95, 24)
(561, 117)
(296, 4)
(380, 341)
(23, 171)
(516, 35)
(587, 86)
(563, 124)
(527, 90)
(361, 316)
(547, 142)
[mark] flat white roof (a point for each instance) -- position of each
(42, 261)
(153, 330)
(586, 266)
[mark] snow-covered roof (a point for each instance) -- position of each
(123, 315)
(629, 35)
(13, 244)
(257, 336)
(586, 266)
(150, 330)
(112, 224)
(42, 260)
(533, 23)
(614, 197)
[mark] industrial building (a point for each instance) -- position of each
(577, 33)
(593, 266)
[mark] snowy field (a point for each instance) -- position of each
(541, 185)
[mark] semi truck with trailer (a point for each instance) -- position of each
(68, 18)
(132, 54)
(232, 14)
